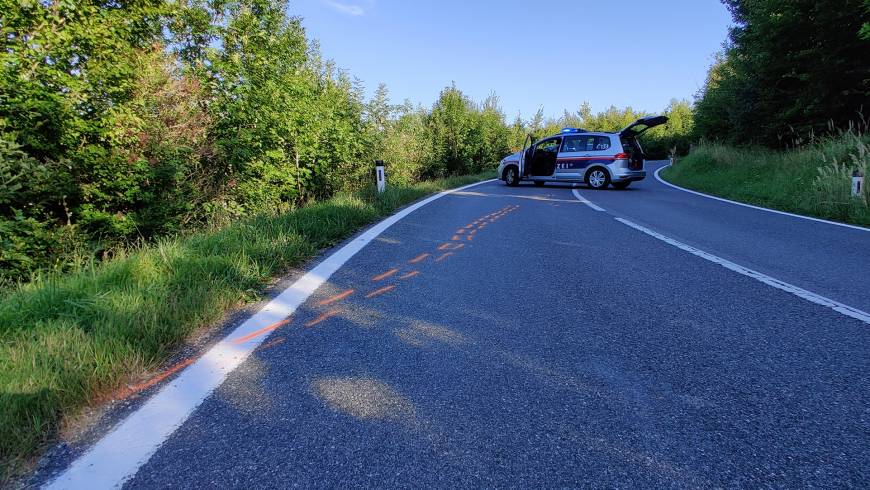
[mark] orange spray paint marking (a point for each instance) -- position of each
(457, 246)
(468, 227)
(381, 277)
(460, 231)
(132, 390)
(418, 259)
(443, 256)
(337, 297)
(410, 275)
(456, 238)
(445, 246)
(381, 291)
(473, 232)
(274, 326)
(323, 317)
(272, 344)
(470, 238)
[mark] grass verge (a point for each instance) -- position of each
(67, 339)
(813, 181)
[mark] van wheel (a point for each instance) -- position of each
(597, 179)
(511, 177)
(621, 185)
(539, 183)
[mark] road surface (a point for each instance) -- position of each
(521, 337)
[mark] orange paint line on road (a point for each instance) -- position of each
(271, 344)
(337, 297)
(456, 238)
(418, 259)
(323, 317)
(457, 246)
(381, 277)
(443, 256)
(470, 238)
(470, 226)
(132, 390)
(274, 326)
(473, 232)
(445, 246)
(381, 291)
(410, 275)
(460, 231)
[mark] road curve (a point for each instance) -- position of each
(521, 337)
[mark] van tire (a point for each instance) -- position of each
(621, 185)
(511, 176)
(597, 178)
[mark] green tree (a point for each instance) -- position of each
(450, 126)
(792, 67)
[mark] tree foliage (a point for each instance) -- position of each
(791, 68)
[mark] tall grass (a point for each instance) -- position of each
(814, 180)
(65, 340)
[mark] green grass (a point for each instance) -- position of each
(68, 339)
(813, 180)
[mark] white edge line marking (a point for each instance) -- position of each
(784, 286)
(117, 457)
(585, 201)
(663, 181)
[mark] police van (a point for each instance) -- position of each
(575, 155)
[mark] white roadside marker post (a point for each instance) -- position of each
(381, 176)
(857, 184)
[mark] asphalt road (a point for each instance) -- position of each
(557, 347)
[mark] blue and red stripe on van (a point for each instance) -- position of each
(564, 163)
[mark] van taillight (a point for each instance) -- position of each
(622, 156)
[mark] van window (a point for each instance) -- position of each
(586, 143)
(551, 146)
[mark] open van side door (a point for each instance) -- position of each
(642, 125)
(528, 143)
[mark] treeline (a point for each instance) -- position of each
(123, 121)
(792, 69)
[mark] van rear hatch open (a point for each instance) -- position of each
(630, 142)
(631, 146)
(642, 125)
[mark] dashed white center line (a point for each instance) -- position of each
(758, 276)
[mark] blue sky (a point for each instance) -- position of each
(550, 54)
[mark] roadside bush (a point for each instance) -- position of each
(833, 184)
(814, 180)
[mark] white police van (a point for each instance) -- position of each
(575, 155)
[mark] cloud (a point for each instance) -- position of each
(353, 9)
